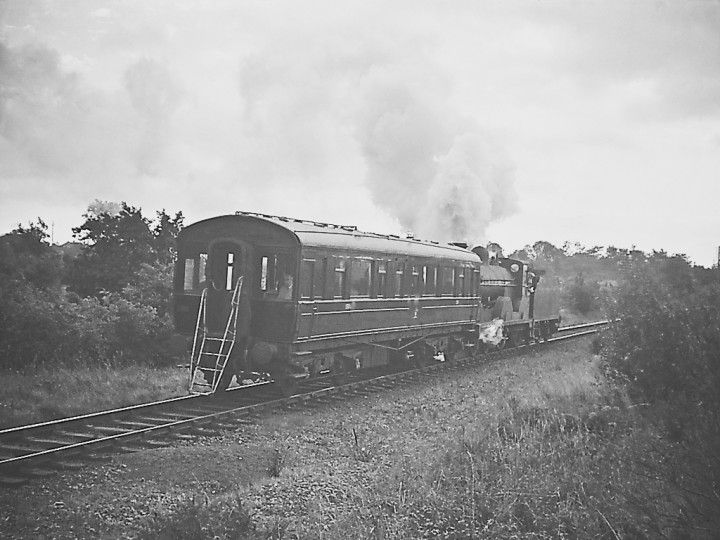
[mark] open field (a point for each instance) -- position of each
(537, 446)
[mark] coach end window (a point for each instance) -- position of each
(194, 279)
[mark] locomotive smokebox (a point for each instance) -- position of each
(496, 281)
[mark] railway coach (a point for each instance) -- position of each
(285, 299)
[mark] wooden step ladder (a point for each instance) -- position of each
(210, 353)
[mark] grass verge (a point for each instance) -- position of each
(537, 447)
(62, 392)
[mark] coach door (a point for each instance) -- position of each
(228, 260)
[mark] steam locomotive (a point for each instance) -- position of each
(275, 299)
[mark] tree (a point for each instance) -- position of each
(164, 233)
(118, 240)
(26, 256)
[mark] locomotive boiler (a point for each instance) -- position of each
(278, 299)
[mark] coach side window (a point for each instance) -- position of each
(429, 279)
(447, 281)
(360, 277)
(307, 279)
(415, 281)
(312, 277)
(381, 278)
(277, 273)
(398, 284)
(460, 281)
(340, 278)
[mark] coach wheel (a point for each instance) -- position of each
(341, 370)
(453, 350)
(286, 385)
(422, 356)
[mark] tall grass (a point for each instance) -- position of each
(62, 392)
(547, 452)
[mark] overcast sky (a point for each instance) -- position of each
(595, 122)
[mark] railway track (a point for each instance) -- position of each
(41, 449)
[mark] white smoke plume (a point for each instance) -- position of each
(425, 165)
(98, 207)
(247, 111)
(440, 175)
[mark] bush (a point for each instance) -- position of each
(665, 343)
(42, 328)
(666, 334)
(581, 296)
(125, 274)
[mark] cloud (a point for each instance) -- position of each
(50, 126)
(671, 50)
(316, 98)
(422, 115)
(155, 96)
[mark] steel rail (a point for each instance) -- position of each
(90, 416)
(583, 325)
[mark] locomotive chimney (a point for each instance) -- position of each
(482, 253)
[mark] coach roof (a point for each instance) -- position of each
(326, 235)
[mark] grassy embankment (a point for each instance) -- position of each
(62, 392)
(54, 393)
(537, 447)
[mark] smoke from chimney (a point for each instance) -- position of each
(440, 175)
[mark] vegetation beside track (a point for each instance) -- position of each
(62, 392)
(542, 445)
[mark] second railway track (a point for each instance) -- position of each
(41, 449)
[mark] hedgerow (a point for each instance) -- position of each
(53, 314)
(664, 344)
